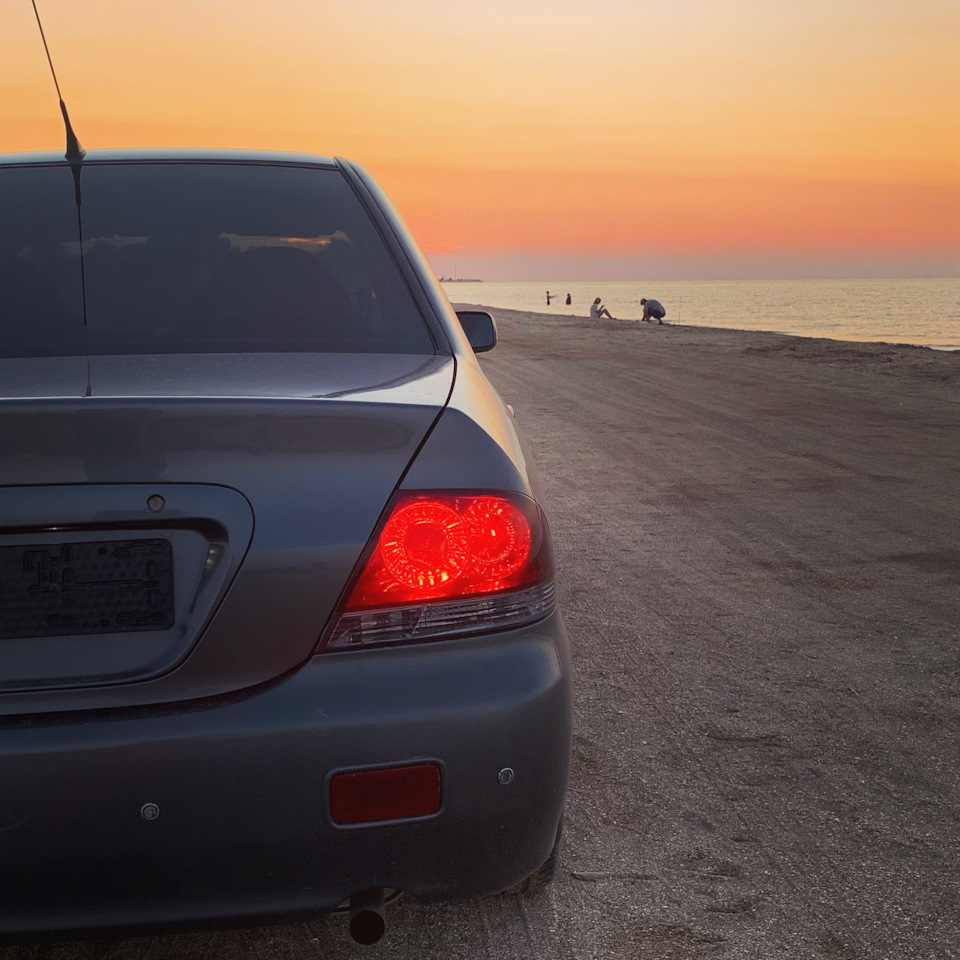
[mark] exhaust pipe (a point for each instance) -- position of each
(366, 916)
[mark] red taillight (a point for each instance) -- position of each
(392, 793)
(447, 565)
(440, 546)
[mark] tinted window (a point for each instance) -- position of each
(40, 305)
(196, 258)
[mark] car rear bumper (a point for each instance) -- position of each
(242, 828)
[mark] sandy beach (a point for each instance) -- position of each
(759, 550)
(898, 360)
(760, 546)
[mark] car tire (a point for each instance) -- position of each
(544, 875)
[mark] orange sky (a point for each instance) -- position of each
(548, 132)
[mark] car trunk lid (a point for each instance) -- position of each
(252, 482)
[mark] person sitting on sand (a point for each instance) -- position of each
(652, 310)
(597, 310)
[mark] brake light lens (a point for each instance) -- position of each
(446, 564)
(433, 547)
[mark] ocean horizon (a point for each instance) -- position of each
(923, 312)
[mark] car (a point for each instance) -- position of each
(278, 608)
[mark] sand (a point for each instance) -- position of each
(759, 540)
(897, 360)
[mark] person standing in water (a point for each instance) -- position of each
(551, 296)
(569, 301)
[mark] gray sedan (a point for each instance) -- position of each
(278, 621)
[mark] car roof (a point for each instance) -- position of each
(142, 155)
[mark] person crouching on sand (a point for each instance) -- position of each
(597, 310)
(652, 310)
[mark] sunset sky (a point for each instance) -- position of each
(528, 139)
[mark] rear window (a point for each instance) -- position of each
(196, 258)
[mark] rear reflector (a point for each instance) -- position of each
(389, 793)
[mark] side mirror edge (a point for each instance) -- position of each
(480, 328)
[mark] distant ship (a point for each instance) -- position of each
(460, 280)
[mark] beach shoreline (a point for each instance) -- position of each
(925, 312)
(904, 361)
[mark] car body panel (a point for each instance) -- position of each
(170, 154)
(241, 829)
(206, 530)
(475, 441)
(380, 378)
(317, 475)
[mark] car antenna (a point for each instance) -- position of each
(75, 152)
(74, 156)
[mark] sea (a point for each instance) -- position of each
(925, 312)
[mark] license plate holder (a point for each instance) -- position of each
(86, 587)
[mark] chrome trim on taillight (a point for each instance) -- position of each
(490, 613)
